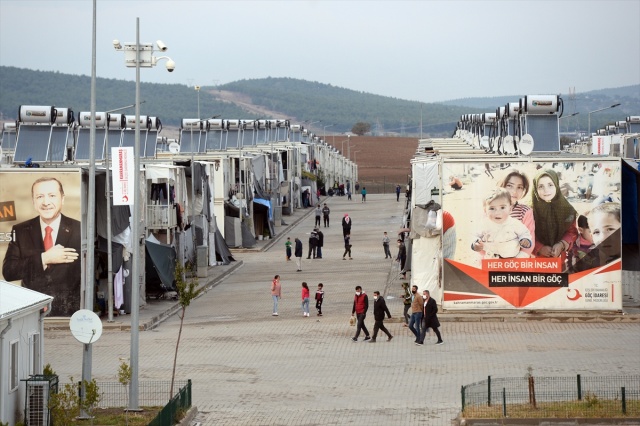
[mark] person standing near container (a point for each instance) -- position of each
(385, 246)
(276, 293)
(298, 254)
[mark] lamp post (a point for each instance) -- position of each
(324, 131)
(198, 90)
(598, 110)
(138, 55)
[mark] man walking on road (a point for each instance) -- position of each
(430, 319)
(360, 308)
(379, 309)
(397, 192)
(416, 313)
(318, 213)
(298, 254)
(325, 215)
(385, 246)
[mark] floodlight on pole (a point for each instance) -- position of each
(138, 55)
(598, 110)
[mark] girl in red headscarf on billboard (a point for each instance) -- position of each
(555, 218)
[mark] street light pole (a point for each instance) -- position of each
(149, 61)
(598, 110)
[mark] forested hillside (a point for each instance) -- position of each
(337, 109)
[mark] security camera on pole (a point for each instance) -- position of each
(138, 55)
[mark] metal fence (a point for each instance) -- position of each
(563, 397)
(173, 411)
(150, 394)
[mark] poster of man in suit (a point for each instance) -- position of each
(40, 234)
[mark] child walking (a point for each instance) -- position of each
(319, 299)
(287, 246)
(305, 299)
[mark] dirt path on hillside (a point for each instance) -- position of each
(244, 102)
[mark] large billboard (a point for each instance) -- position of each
(40, 234)
(533, 235)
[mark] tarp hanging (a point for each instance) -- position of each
(160, 265)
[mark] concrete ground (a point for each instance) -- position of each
(251, 368)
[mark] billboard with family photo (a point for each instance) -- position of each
(534, 235)
(40, 234)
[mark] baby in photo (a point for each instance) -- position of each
(501, 235)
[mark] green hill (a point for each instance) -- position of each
(337, 109)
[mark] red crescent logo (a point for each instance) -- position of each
(125, 198)
(577, 295)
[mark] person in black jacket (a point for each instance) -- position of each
(298, 254)
(379, 309)
(430, 318)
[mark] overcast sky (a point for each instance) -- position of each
(427, 51)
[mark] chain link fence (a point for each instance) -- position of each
(559, 397)
(150, 394)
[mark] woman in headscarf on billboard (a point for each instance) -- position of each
(554, 216)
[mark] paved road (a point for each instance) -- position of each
(250, 368)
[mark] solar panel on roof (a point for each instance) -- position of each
(32, 142)
(58, 144)
(189, 141)
(214, 140)
(114, 137)
(9, 140)
(129, 138)
(149, 147)
(82, 144)
(233, 139)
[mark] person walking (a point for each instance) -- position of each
(347, 247)
(287, 247)
(276, 294)
(398, 193)
(430, 318)
(346, 225)
(402, 258)
(379, 309)
(364, 194)
(416, 313)
(318, 213)
(313, 243)
(349, 196)
(357, 186)
(298, 254)
(305, 299)
(319, 299)
(325, 215)
(385, 246)
(406, 299)
(320, 244)
(360, 308)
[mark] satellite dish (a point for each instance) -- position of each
(508, 145)
(526, 144)
(484, 142)
(85, 326)
(174, 147)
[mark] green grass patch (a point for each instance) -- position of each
(588, 408)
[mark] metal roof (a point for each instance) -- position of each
(15, 299)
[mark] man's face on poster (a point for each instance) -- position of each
(48, 200)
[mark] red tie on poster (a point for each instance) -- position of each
(48, 239)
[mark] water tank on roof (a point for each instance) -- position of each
(37, 114)
(64, 116)
(84, 119)
(541, 104)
